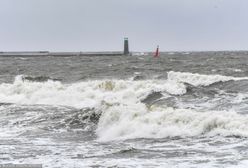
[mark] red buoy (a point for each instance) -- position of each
(157, 52)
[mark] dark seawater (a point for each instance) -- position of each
(179, 110)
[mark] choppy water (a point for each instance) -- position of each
(180, 110)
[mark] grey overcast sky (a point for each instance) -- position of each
(100, 25)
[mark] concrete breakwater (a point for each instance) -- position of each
(65, 54)
(59, 54)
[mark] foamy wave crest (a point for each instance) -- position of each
(200, 80)
(136, 121)
(84, 94)
(124, 116)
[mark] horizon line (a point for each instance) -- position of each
(46, 51)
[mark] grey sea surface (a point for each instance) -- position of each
(183, 109)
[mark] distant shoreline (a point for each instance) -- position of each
(60, 54)
(107, 53)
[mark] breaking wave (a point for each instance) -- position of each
(84, 94)
(200, 80)
(125, 113)
(124, 122)
(38, 78)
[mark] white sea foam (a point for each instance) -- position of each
(139, 53)
(124, 116)
(136, 121)
(237, 70)
(84, 94)
(199, 79)
(92, 93)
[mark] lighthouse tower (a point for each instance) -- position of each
(126, 48)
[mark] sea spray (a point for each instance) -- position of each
(124, 115)
(137, 121)
(199, 79)
(85, 93)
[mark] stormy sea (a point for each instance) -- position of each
(182, 109)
